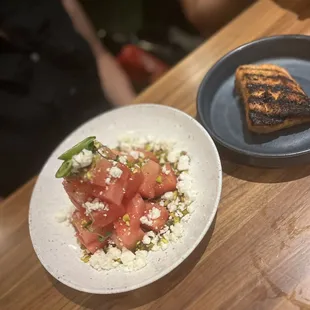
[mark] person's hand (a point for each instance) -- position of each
(114, 80)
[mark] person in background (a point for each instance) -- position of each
(209, 15)
(54, 75)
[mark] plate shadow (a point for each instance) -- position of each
(264, 175)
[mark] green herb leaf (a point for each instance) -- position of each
(87, 143)
(65, 169)
(105, 237)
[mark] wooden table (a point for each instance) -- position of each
(257, 255)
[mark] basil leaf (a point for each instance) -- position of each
(105, 237)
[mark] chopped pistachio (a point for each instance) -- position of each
(159, 179)
(176, 220)
(88, 175)
(164, 240)
(185, 212)
(148, 147)
(85, 258)
(175, 195)
(126, 218)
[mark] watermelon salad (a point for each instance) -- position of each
(127, 200)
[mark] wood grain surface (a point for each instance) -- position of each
(257, 254)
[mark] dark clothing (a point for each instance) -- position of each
(48, 86)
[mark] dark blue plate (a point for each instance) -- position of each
(221, 113)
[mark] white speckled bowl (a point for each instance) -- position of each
(55, 243)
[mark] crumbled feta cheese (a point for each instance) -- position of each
(116, 172)
(134, 261)
(164, 229)
(135, 154)
(127, 256)
(154, 213)
(168, 196)
(173, 156)
(95, 205)
(177, 229)
(151, 234)
(184, 184)
(114, 252)
(105, 261)
(101, 261)
(178, 213)
(183, 163)
(162, 203)
(108, 180)
(182, 206)
(144, 220)
(165, 170)
(83, 159)
(190, 208)
(146, 239)
(123, 160)
(186, 218)
(172, 206)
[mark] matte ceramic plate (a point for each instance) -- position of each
(55, 244)
(222, 114)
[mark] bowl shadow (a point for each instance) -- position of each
(264, 175)
(141, 296)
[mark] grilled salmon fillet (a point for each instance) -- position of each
(273, 100)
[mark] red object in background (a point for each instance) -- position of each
(140, 65)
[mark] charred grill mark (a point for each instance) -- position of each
(284, 106)
(283, 98)
(273, 88)
(256, 77)
(259, 118)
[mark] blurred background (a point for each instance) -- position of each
(137, 29)
(64, 62)
(164, 31)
